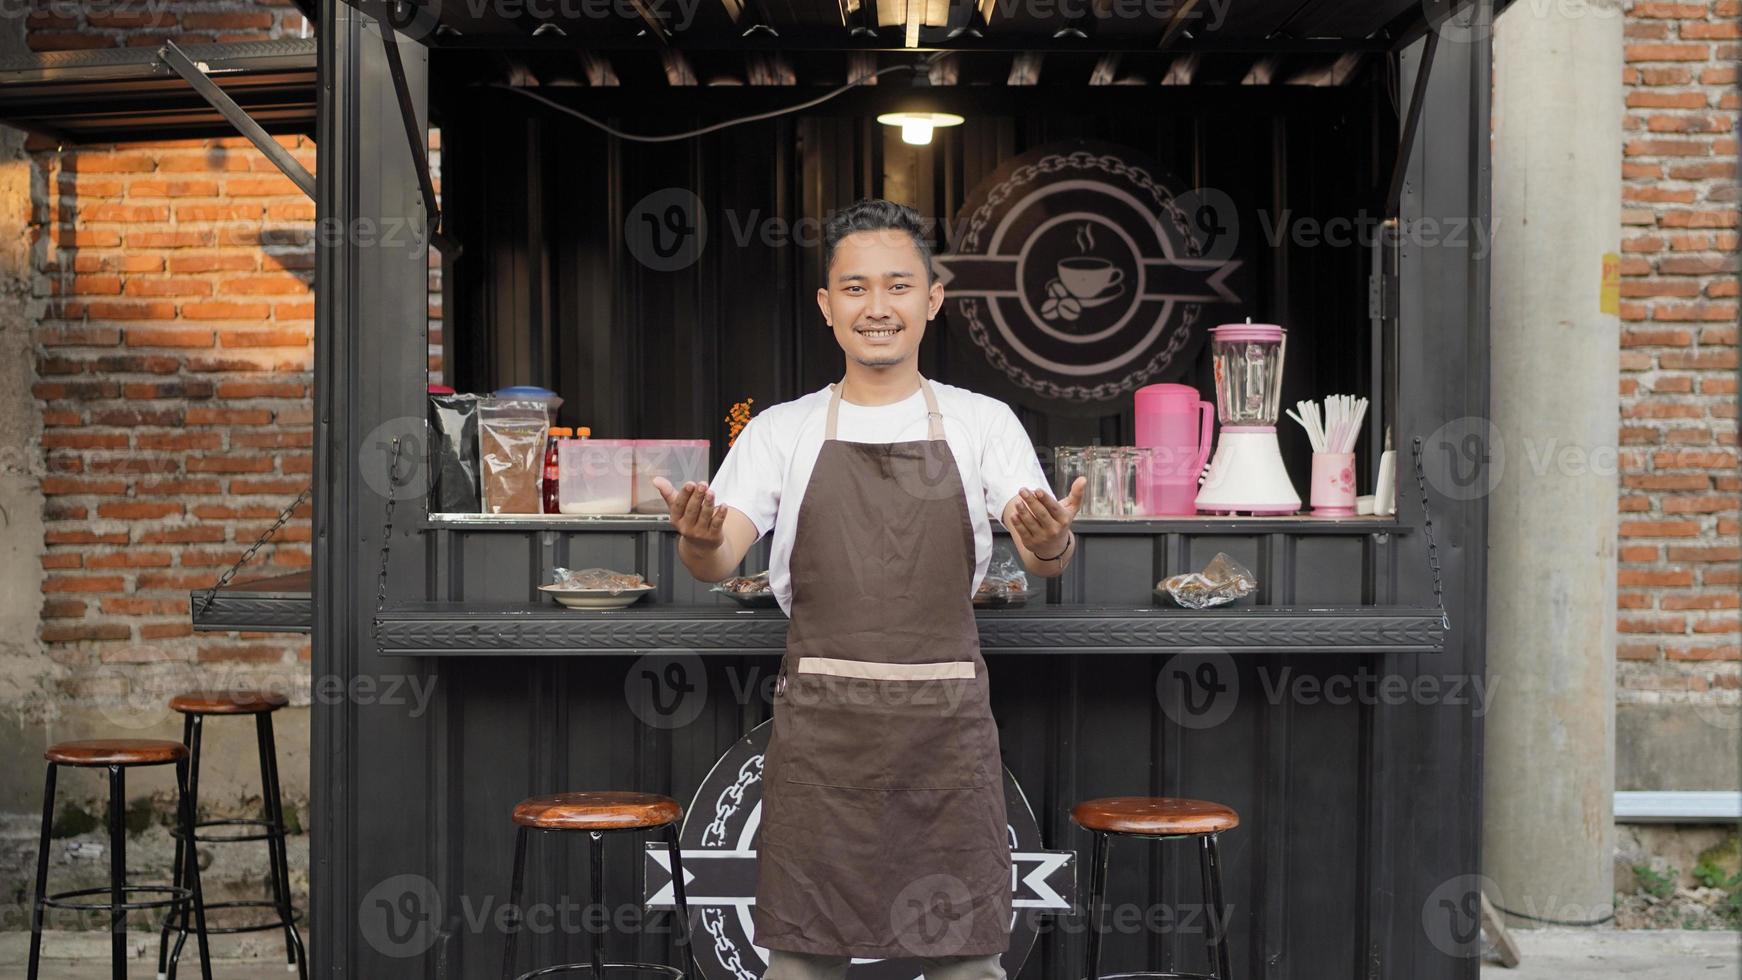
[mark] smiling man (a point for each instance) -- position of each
(883, 828)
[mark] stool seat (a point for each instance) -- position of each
(116, 752)
(597, 810)
(227, 702)
(1154, 815)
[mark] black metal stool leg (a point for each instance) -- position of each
(279, 861)
(1097, 888)
(191, 875)
(117, 872)
(36, 906)
(195, 729)
(1217, 936)
(674, 847)
(515, 917)
(169, 918)
(596, 848)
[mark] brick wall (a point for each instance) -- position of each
(1679, 481)
(174, 366)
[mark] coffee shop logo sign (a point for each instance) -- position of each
(719, 839)
(1080, 275)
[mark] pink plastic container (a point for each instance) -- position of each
(594, 476)
(677, 460)
(1177, 426)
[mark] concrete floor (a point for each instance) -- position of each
(1549, 954)
(1571, 954)
(85, 955)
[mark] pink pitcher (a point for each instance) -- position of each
(1178, 426)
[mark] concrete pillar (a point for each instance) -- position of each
(1549, 779)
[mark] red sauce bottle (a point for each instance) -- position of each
(550, 468)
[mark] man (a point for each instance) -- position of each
(883, 828)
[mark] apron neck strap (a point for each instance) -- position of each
(934, 418)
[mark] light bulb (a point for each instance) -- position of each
(916, 131)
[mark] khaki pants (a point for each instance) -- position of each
(784, 965)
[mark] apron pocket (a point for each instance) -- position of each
(861, 724)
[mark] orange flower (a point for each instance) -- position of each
(737, 418)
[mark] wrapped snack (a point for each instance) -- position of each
(511, 446)
(744, 584)
(750, 591)
(1222, 581)
(453, 452)
(598, 580)
(1006, 581)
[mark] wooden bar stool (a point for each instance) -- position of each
(194, 707)
(597, 813)
(117, 755)
(1157, 818)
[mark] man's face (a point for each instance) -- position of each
(877, 298)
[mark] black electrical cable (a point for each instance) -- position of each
(671, 137)
(1556, 922)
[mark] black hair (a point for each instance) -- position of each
(876, 214)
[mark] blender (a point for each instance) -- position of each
(1247, 475)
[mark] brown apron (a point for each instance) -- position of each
(883, 827)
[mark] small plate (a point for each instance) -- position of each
(594, 598)
(751, 600)
(1000, 600)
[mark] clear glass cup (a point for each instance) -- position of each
(1067, 465)
(1140, 461)
(1105, 467)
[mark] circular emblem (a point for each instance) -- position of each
(719, 840)
(1080, 276)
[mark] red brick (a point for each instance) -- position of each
(79, 337)
(176, 488)
(218, 310)
(179, 440)
(162, 631)
(84, 583)
(228, 416)
(63, 609)
(213, 263)
(81, 536)
(1638, 651)
(83, 632)
(168, 287)
(267, 486)
(230, 464)
(1641, 578)
(263, 338)
(169, 337)
(267, 286)
(261, 389)
(138, 510)
(1707, 600)
(135, 606)
(169, 239)
(1728, 553)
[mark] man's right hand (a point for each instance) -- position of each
(694, 514)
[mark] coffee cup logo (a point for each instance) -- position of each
(1079, 276)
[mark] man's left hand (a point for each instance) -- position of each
(1043, 523)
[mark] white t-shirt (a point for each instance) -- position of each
(771, 461)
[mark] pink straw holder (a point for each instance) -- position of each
(1333, 492)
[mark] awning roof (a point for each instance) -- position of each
(891, 25)
(119, 94)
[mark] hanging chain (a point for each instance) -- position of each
(1433, 551)
(224, 579)
(386, 538)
